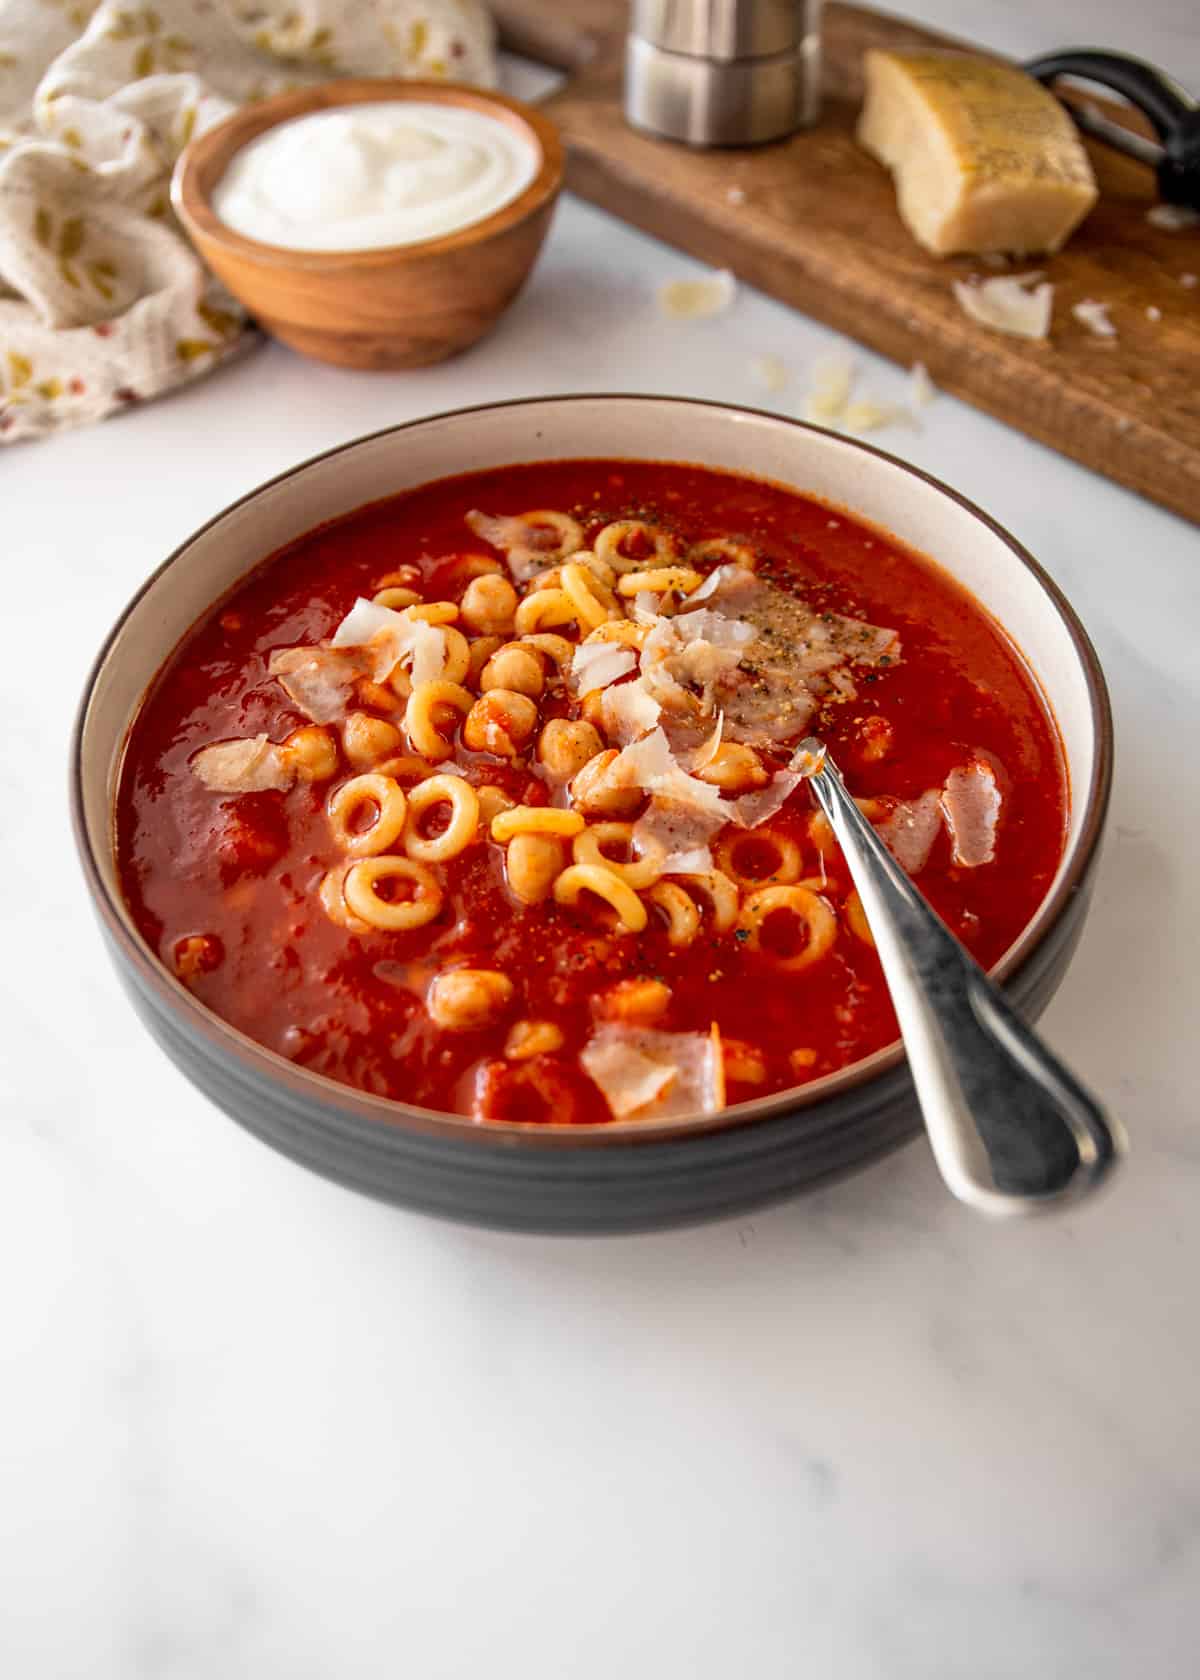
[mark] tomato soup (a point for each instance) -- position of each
(482, 798)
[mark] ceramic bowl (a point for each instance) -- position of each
(581, 1179)
(398, 307)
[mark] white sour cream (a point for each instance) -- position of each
(365, 176)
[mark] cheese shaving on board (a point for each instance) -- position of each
(644, 1074)
(1094, 317)
(1008, 303)
(1173, 218)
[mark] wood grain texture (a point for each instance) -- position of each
(818, 229)
(398, 307)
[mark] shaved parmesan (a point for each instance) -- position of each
(249, 766)
(628, 711)
(319, 681)
(921, 389)
(751, 809)
(648, 1075)
(770, 372)
(694, 300)
(365, 620)
(910, 830)
(970, 802)
(866, 415)
(528, 548)
(597, 664)
(1007, 304)
(1095, 318)
(833, 378)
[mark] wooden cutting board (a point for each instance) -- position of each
(813, 222)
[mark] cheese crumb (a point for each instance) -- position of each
(1188, 280)
(1153, 314)
(770, 372)
(695, 300)
(921, 389)
(736, 195)
(1009, 303)
(1173, 218)
(833, 378)
(866, 415)
(1095, 318)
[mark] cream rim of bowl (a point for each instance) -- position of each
(364, 177)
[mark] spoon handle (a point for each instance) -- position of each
(1012, 1130)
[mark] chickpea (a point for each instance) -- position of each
(635, 1002)
(532, 1038)
(466, 999)
(200, 953)
(590, 793)
(591, 708)
(500, 722)
(533, 863)
(367, 740)
(481, 650)
(516, 667)
(565, 747)
(492, 800)
(488, 605)
(378, 695)
(734, 769)
(311, 753)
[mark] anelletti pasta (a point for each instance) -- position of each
(518, 835)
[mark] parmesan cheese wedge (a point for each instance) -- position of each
(984, 158)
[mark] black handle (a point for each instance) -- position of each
(1171, 111)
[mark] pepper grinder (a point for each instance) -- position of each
(723, 72)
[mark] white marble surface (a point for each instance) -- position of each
(255, 1428)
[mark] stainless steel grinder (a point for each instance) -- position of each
(723, 72)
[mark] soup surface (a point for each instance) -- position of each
(482, 796)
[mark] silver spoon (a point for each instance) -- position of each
(1012, 1130)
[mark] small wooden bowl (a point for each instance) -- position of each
(397, 307)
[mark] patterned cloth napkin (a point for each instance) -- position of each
(102, 300)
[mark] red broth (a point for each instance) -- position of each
(241, 873)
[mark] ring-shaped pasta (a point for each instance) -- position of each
(821, 834)
(622, 630)
(396, 598)
(332, 894)
(641, 872)
(458, 832)
(536, 819)
(806, 906)
(405, 767)
(579, 878)
(391, 807)
(608, 544)
(544, 607)
(724, 551)
(722, 895)
(556, 648)
(433, 612)
(785, 870)
(569, 531)
(583, 589)
(393, 916)
(856, 919)
(458, 655)
(658, 579)
(420, 716)
(683, 916)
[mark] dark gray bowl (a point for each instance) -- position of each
(621, 1177)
